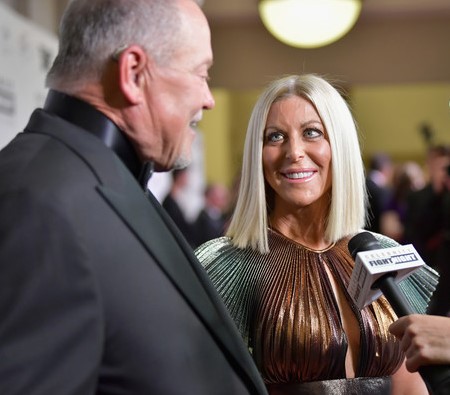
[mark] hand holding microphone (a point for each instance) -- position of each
(377, 270)
(425, 339)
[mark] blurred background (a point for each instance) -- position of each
(394, 67)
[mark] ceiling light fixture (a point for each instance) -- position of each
(309, 23)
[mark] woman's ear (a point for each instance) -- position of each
(132, 62)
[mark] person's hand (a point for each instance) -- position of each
(425, 339)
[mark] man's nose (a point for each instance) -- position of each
(209, 103)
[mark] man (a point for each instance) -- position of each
(99, 292)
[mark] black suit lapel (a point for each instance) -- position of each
(159, 242)
(173, 254)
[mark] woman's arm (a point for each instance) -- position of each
(406, 383)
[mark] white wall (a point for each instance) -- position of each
(26, 54)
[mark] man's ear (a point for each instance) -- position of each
(132, 63)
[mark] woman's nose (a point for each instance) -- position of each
(294, 152)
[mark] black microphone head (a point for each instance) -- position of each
(364, 241)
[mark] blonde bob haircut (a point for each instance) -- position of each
(347, 213)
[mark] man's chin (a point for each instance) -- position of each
(181, 163)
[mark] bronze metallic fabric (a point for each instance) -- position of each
(285, 308)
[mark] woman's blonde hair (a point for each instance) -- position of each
(249, 222)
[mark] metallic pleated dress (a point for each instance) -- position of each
(284, 305)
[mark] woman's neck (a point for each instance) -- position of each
(304, 227)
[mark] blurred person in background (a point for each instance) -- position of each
(427, 223)
(378, 184)
(173, 207)
(212, 219)
(407, 177)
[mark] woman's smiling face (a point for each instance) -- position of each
(296, 154)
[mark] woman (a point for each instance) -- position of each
(284, 265)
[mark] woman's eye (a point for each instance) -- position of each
(312, 133)
(274, 137)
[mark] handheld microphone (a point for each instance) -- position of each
(377, 270)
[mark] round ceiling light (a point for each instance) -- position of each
(309, 23)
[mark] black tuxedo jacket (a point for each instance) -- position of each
(99, 292)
